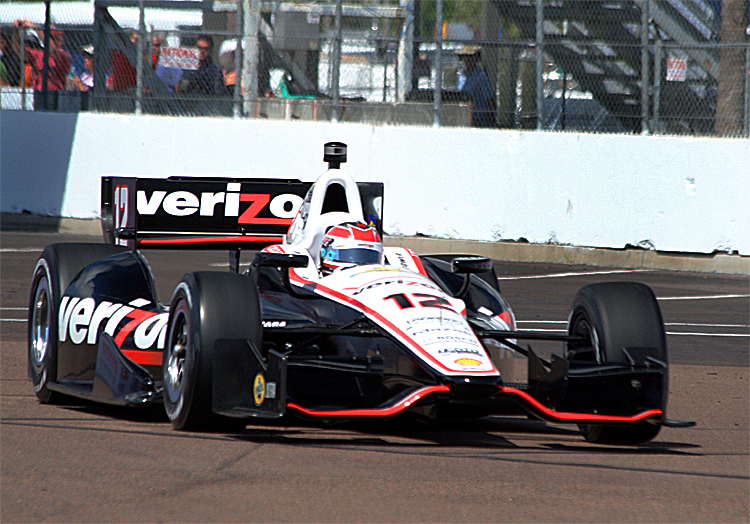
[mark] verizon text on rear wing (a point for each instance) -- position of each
(209, 213)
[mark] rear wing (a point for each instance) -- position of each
(210, 213)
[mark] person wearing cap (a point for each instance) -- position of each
(84, 80)
(59, 59)
(478, 88)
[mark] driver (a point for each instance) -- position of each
(350, 244)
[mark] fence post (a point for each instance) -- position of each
(22, 68)
(139, 58)
(438, 93)
(45, 67)
(539, 63)
(645, 84)
(336, 61)
(251, 9)
(238, 58)
(658, 56)
(100, 68)
(405, 51)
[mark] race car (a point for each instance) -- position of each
(326, 323)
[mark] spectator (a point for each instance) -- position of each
(59, 60)
(84, 80)
(10, 62)
(207, 79)
(123, 76)
(479, 89)
(169, 75)
(227, 67)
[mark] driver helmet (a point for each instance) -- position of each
(350, 244)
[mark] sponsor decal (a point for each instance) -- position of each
(446, 324)
(459, 351)
(274, 323)
(406, 259)
(81, 319)
(388, 282)
(228, 203)
(271, 390)
(259, 389)
(468, 362)
(402, 260)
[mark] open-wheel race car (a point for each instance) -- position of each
(326, 323)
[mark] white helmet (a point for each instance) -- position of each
(350, 244)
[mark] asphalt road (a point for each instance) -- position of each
(81, 463)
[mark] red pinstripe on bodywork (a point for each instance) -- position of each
(209, 240)
(418, 263)
(144, 358)
(561, 416)
(388, 411)
(525, 398)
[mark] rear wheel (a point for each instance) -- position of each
(206, 307)
(56, 268)
(612, 316)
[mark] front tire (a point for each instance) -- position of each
(612, 316)
(206, 307)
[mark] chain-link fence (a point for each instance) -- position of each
(633, 66)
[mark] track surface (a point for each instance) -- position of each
(82, 463)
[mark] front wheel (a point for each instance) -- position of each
(610, 317)
(206, 307)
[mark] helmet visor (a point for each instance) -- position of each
(356, 255)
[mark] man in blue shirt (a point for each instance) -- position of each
(479, 89)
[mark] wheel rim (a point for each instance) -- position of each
(40, 323)
(176, 358)
(581, 327)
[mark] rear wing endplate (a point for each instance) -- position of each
(209, 213)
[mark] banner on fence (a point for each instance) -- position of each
(182, 57)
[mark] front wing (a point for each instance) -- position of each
(555, 393)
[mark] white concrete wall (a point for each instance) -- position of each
(675, 194)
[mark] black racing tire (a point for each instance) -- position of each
(613, 315)
(206, 307)
(56, 268)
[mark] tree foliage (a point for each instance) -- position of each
(468, 11)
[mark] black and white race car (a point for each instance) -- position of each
(326, 323)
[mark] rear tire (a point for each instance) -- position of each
(206, 307)
(612, 316)
(56, 268)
